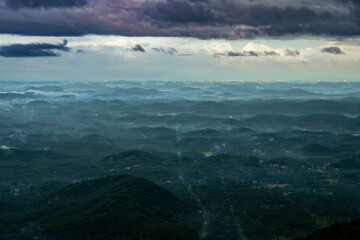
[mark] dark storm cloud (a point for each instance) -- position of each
(270, 20)
(33, 50)
(180, 12)
(138, 48)
(356, 2)
(170, 51)
(227, 12)
(230, 19)
(45, 3)
(332, 50)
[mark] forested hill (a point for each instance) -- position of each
(118, 207)
(337, 231)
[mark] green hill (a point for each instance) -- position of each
(118, 207)
(29, 155)
(351, 163)
(132, 157)
(338, 231)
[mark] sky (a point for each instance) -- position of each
(193, 40)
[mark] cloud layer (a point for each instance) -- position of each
(229, 19)
(33, 50)
(45, 3)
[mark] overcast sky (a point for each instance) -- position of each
(99, 40)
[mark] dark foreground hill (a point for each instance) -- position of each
(338, 231)
(118, 207)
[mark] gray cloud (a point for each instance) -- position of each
(242, 54)
(288, 52)
(45, 3)
(138, 48)
(332, 50)
(234, 54)
(271, 53)
(186, 54)
(170, 51)
(80, 51)
(293, 53)
(33, 50)
(252, 53)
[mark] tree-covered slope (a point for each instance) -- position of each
(117, 207)
(338, 231)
